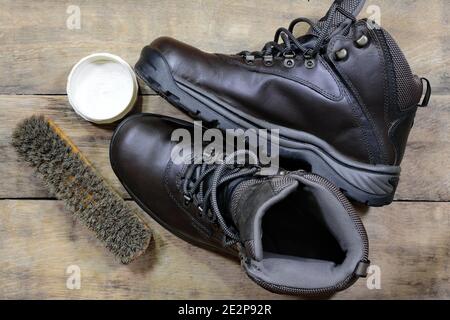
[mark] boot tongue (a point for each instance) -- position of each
(352, 6)
(250, 200)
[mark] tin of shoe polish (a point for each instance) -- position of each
(102, 88)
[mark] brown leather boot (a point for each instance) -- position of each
(294, 232)
(343, 96)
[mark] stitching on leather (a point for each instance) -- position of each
(384, 154)
(303, 82)
(392, 130)
(200, 228)
(387, 118)
(378, 134)
(390, 113)
(364, 138)
(360, 100)
(361, 104)
(336, 80)
(356, 121)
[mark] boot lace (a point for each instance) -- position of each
(206, 199)
(291, 46)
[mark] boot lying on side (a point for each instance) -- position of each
(294, 232)
(343, 96)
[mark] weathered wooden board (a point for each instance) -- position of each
(39, 241)
(38, 49)
(426, 169)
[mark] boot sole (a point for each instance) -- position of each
(373, 185)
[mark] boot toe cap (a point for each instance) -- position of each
(140, 151)
(176, 53)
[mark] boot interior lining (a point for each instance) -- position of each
(308, 241)
(297, 229)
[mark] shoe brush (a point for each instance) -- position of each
(72, 179)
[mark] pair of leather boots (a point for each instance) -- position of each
(343, 98)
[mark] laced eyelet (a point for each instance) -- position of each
(289, 61)
(268, 61)
(250, 59)
(200, 212)
(292, 45)
(310, 63)
(187, 200)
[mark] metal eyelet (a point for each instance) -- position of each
(250, 59)
(268, 61)
(200, 212)
(362, 41)
(289, 61)
(187, 200)
(341, 54)
(310, 63)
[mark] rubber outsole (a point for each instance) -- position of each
(372, 185)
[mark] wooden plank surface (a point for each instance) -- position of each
(40, 240)
(38, 49)
(426, 168)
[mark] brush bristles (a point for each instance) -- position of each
(84, 192)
